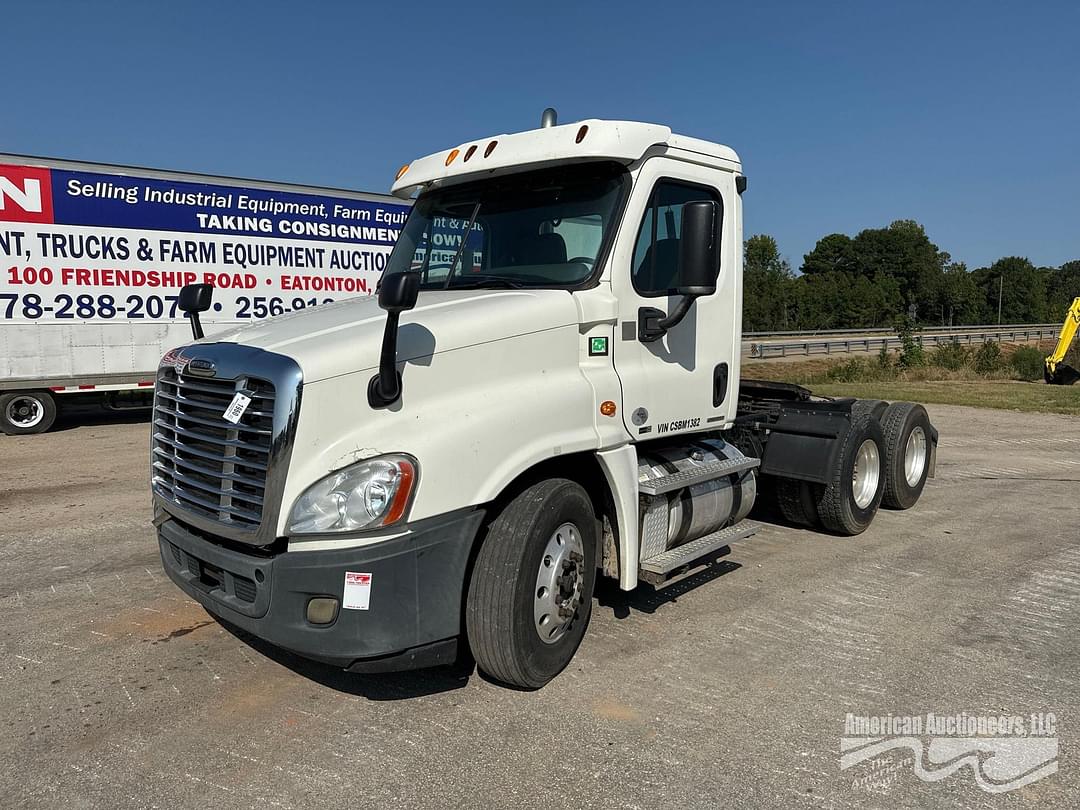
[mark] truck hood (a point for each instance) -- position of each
(346, 336)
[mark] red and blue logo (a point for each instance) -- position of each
(25, 194)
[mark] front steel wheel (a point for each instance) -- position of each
(530, 593)
(558, 584)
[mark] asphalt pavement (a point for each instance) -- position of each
(730, 688)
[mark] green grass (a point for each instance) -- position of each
(985, 376)
(1005, 394)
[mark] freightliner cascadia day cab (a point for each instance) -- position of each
(94, 256)
(545, 390)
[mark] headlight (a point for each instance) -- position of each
(371, 493)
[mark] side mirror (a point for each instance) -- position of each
(699, 266)
(193, 299)
(699, 248)
(397, 293)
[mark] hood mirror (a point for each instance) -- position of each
(397, 293)
(193, 299)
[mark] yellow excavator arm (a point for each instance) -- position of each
(1057, 372)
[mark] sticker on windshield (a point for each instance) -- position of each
(357, 593)
(236, 407)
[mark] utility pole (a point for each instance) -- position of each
(1001, 282)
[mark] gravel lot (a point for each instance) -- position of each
(730, 688)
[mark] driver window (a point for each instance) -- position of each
(655, 271)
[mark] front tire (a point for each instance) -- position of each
(530, 595)
(26, 412)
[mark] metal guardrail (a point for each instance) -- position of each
(888, 330)
(868, 343)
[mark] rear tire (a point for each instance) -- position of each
(869, 407)
(908, 437)
(530, 595)
(26, 412)
(797, 503)
(848, 503)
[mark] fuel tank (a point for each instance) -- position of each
(703, 508)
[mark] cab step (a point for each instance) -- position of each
(656, 570)
(698, 475)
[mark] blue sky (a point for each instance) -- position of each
(962, 115)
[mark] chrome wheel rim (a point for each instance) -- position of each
(24, 412)
(557, 595)
(915, 457)
(866, 474)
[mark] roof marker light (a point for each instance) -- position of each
(402, 171)
(453, 154)
(469, 153)
(490, 148)
(581, 133)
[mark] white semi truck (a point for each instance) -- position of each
(92, 258)
(549, 392)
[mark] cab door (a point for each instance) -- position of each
(687, 380)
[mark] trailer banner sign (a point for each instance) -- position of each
(95, 246)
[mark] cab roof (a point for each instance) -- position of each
(594, 139)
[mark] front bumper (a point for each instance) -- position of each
(417, 590)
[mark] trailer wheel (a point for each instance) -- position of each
(24, 412)
(907, 453)
(797, 503)
(531, 589)
(848, 503)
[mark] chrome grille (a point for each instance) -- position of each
(203, 463)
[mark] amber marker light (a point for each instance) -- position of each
(581, 133)
(402, 171)
(490, 148)
(403, 494)
(607, 407)
(469, 153)
(452, 156)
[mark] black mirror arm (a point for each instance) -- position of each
(653, 323)
(196, 325)
(676, 315)
(385, 387)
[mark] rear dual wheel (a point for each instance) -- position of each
(848, 503)
(798, 502)
(908, 448)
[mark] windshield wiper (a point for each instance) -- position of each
(461, 247)
(488, 281)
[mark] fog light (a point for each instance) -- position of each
(322, 610)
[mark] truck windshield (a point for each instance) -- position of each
(543, 228)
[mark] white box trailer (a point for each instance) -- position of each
(92, 258)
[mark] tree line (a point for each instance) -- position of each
(884, 276)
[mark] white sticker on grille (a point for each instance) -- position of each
(236, 407)
(357, 591)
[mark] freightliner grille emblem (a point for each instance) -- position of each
(201, 368)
